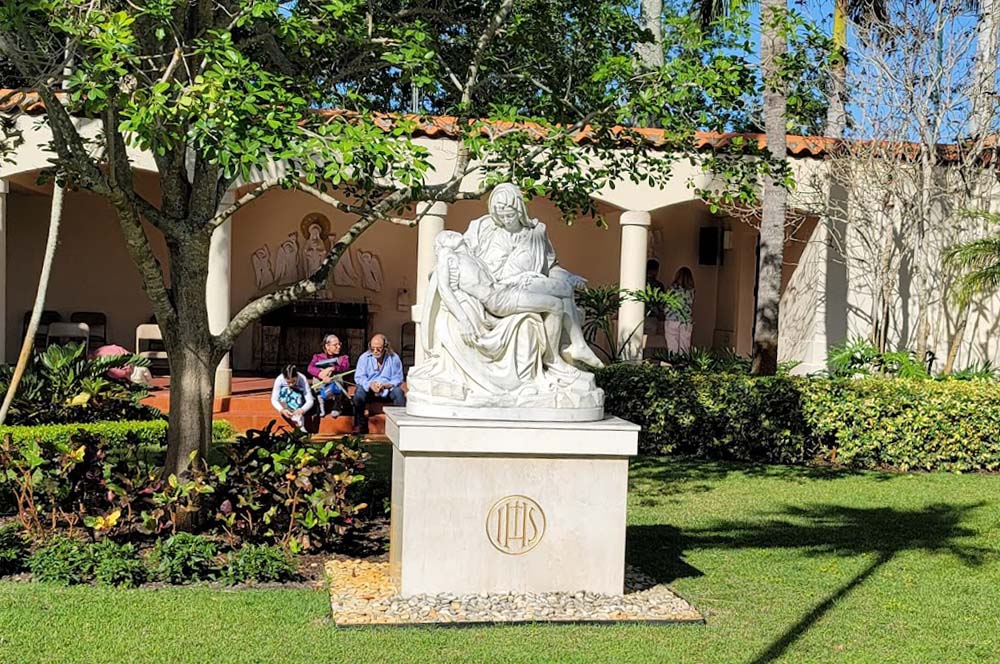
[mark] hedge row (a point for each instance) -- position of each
(863, 423)
(149, 433)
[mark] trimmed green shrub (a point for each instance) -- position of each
(62, 560)
(906, 423)
(184, 558)
(715, 415)
(259, 563)
(117, 564)
(151, 433)
(13, 549)
(874, 422)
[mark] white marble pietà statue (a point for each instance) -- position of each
(500, 328)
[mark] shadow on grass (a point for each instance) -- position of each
(686, 474)
(816, 530)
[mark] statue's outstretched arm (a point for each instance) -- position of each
(451, 300)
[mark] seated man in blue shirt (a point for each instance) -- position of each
(378, 376)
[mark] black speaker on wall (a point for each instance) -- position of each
(709, 245)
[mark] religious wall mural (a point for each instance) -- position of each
(301, 253)
(286, 266)
(316, 242)
(263, 271)
(371, 271)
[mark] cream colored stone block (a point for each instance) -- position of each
(517, 507)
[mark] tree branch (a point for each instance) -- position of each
(222, 342)
(482, 45)
(243, 200)
(126, 203)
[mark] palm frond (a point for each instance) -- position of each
(979, 261)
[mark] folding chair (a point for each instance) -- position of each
(150, 333)
(97, 321)
(61, 333)
(48, 317)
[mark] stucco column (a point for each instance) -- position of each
(4, 188)
(217, 293)
(632, 276)
(431, 216)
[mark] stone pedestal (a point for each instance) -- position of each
(486, 506)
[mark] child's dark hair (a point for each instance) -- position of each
(290, 372)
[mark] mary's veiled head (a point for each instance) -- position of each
(507, 208)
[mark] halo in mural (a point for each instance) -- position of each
(315, 219)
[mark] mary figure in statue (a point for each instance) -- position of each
(513, 245)
(500, 329)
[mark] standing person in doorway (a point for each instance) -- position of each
(653, 274)
(655, 316)
(679, 323)
(379, 377)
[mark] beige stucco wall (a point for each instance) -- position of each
(583, 247)
(834, 293)
(92, 270)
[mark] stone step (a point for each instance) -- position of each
(328, 425)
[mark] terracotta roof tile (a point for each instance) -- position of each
(443, 126)
(18, 100)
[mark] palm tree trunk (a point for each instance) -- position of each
(836, 115)
(55, 215)
(773, 45)
(956, 340)
(983, 94)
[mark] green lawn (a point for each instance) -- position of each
(790, 564)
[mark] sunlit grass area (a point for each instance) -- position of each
(788, 564)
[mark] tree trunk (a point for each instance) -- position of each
(957, 337)
(886, 288)
(983, 97)
(192, 391)
(55, 216)
(774, 195)
(983, 94)
(921, 258)
(836, 115)
(650, 18)
(191, 356)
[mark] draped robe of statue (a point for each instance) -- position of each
(506, 371)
